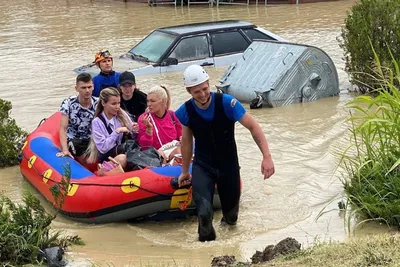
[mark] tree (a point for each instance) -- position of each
(376, 23)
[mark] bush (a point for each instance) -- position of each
(25, 230)
(375, 20)
(11, 136)
(373, 160)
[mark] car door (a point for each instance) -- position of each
(189, 50)
(227, 46)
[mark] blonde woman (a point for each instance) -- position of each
(108, 127)
(159, 127)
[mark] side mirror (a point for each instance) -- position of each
(170, 61)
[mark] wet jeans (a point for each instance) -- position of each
(204, 179)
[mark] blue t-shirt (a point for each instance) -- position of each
(101, 81)
(233, 110)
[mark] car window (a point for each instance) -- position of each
(228, 43)
(153, 46)
(191, 48)
(254, 34)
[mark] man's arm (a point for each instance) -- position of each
(63, 134)
(267, 166)
(186, 148)
(257, 133)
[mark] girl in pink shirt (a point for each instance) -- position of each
(159, 127)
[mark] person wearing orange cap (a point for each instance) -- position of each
(107, 76)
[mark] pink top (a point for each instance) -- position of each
(165, 129)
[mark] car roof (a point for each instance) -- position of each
(206, 26)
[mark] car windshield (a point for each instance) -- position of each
(152, 47)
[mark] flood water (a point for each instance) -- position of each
(42, 41)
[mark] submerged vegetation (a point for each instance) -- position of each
(372, 162)
(60, 190)
(25, 231)
(11, 136)
(377, 21)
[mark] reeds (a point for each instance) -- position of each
(372, 161)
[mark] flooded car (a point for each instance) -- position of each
(174, 48)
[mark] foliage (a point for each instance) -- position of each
(60, 190)
(11, 136)
(375, 20)
(25, 230)
(372, 161)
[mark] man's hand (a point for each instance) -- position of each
(267, 167)
(184, 179)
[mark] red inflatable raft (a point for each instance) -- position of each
(138, 194)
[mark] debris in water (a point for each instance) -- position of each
(54, 257)
(228, 261)
(286, 246)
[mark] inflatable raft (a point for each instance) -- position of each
(135, 195)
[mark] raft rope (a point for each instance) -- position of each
(184, 204)
(41, 122)
(131, 185)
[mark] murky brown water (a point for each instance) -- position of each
(42, 41)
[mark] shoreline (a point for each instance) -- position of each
(372, 250)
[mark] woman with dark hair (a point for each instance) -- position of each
(133, 101)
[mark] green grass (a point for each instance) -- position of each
(372, 182)
(377, 250)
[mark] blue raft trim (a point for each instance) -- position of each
(170, 170)
(45, 149)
